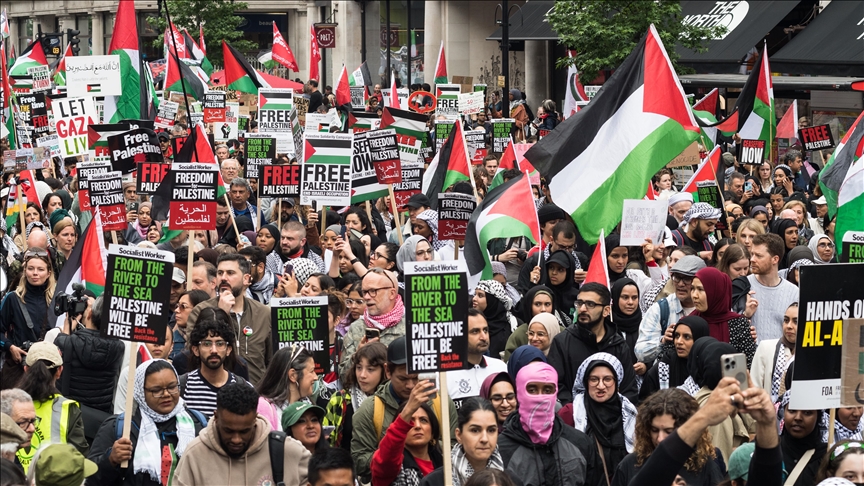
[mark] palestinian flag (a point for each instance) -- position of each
(453, 165)
(507, 211)
(59, 74)
(87, 263)
(197, 55)
(360, 76)
(266, 59)
(575, 90)
(514, 158)
(850, 202)
(343, 89)
(705, 111)
(180, 78)
(394, 95)
(407, 124)
(25, 184)
(29, 58)
(841, 166)
(152, 103)
(7, 99)
(608, 152)
(788, 126)
(598, 269)
(12, 56)
(201, 43)
(271, 100)
(705, 172)
(124, 43)
(281, 53)
(441, 67)
(239, 75)
(314, 54)
(708, 104)
(4, 24)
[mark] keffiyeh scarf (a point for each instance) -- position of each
(148, 453)
(262, 290)
(430, 216)
(387, 320)
(462, 469)
(357, 397)
(841, 432)
(628, 410)
(781, 364)
(576, 258)
(700, 211)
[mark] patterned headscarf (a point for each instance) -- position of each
(701, 210)
(303, 269)
(430, 216)
(628, 410)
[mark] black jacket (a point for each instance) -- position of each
(91, 366)
(573, 346)
(524, 283)
(560, 457)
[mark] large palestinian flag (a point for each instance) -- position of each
(87, 262)
(180, 78)
(453, 165)
(507, 211)
(607, 152)
(124, 43)
(840, 166)
(31, 57)
(441, 67)
(407, 124)
(239, 75)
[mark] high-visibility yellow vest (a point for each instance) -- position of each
(52, 428)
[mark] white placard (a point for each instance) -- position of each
(642, 219)
(93, 76)
(471, 103)
(74, 116)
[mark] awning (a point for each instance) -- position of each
(781, 83)
(532, 24)
(832, 44)
(747, 22)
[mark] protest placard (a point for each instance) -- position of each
(709, 192)
(830, 295)
(93, 75)
(301, 104)
(454, 211)
(385, 156)
(106, 195)
(97, 138)
(227, 130)
(852, 373)
(358, 97)
(471, 103)
(443, 128)
(364, 181)
(35, 111)
(302, 321)
(214, 106)
(51, 143)
(150, 175)
(41, 76)
(73, 116)
(85, 171)
(166, 114)
(297, 132)
(137, 291)
(401, 93)
(816, 138)
(436, 316)
(501, 128)
(274, 107)
(448, 100)
(852, 250)
(412, 183)
(751, 152)
(327, 169)
(318, 122)
(475, 141)
(260, 149)
(129, 148)
(37, 158)
(279, 180)
(643, 219)
(193, 196)
(689, 157)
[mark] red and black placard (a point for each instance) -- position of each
(85, 171)
(150, 175)
(128, 148)
(385, 156)
(751, 152)
(816, 138)
(454, 211)
(279, 180)
(106, 195)
(214, 106)
(193, 196)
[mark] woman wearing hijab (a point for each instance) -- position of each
(600, 411)
(617, 257)
(773, 356)
(801, 442)
(137, 231)
(162, 427)
(626, 315)
(537, 300)
(500, 389)
(787, 229)
(538, 446)
(415, 249)
(491, 299)
(521, 357)
(800, 256)
(822, 248)
(542, 330)
(712, 297)
(558, 275)
(671, 371)
(268, 239)
(332, 234)
(706, 369)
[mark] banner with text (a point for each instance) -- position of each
(106, 195)
(129, 148)
(93, 75)
(86, 170)
(214, 106)
(454, 211)
(327, 169)
(73, 116)
(643, 219)
(385, 156)
(302, 321)
(501, 128)
(260, 149)
(193, 196)
(816, 138)
(279, 180)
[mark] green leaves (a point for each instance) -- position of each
(604, 33)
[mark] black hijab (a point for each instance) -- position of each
(526, 304)
(274, 232)
(678, 370)
(704, 361)
(564, 293)
(625, 323)
(605, 421)
(779, 228)
(793, 449)
(613, 241)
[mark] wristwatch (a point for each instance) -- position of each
(354, 260)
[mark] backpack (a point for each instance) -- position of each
(378, 413)
(664, 314)
(276, 444)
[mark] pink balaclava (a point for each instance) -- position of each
(536, 412)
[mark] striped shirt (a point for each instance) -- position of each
(200, 394)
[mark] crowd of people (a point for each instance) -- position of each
(570, 383)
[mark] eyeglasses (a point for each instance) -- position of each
(845, 447)
(420, 253)
(595, 380)
(354, 301)
(35, 253)
(826, 245)
(172, 390)
(209, 344)
(565, 247)
(510, 397)
(587, 303)
(374, 292)
(24, 424)
(378, 255)
(680, 278)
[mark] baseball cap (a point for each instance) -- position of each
(179, 276)
(397, 352)
(293, 412)
(739, 461)
(45, 351)
(688, 265)
(63, 465)
(821, 201)
(417, 201)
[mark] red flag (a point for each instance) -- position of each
(201, 39)
(281, 53)
(598, 270)
(705, 172)
(788, 126)
(314, 55)
(708, 102)
(29, 187)
(394, 97)
(651, 195)
(343, 91)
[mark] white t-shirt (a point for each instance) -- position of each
(464, 384)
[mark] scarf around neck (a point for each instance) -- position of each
(388, 319)
(462, 469)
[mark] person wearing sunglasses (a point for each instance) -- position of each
(384, 317)
(162, 428)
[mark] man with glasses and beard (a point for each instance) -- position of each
(234, 447)
(591, 333)
(463, 384)
(250, 318)
(384, 317)
(211, 343)
(698, 224)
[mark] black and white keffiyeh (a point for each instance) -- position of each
(462, 469)
(701, 210)
(572, 252)
(780, 366)
(628, 410)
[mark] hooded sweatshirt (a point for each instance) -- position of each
(205, 461)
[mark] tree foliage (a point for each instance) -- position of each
(218, 19)
(603, 33)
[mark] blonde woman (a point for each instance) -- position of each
(747, 230)
(801, 219)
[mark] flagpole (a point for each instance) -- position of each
(21, 209)
(182, 82)
(189, 260)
